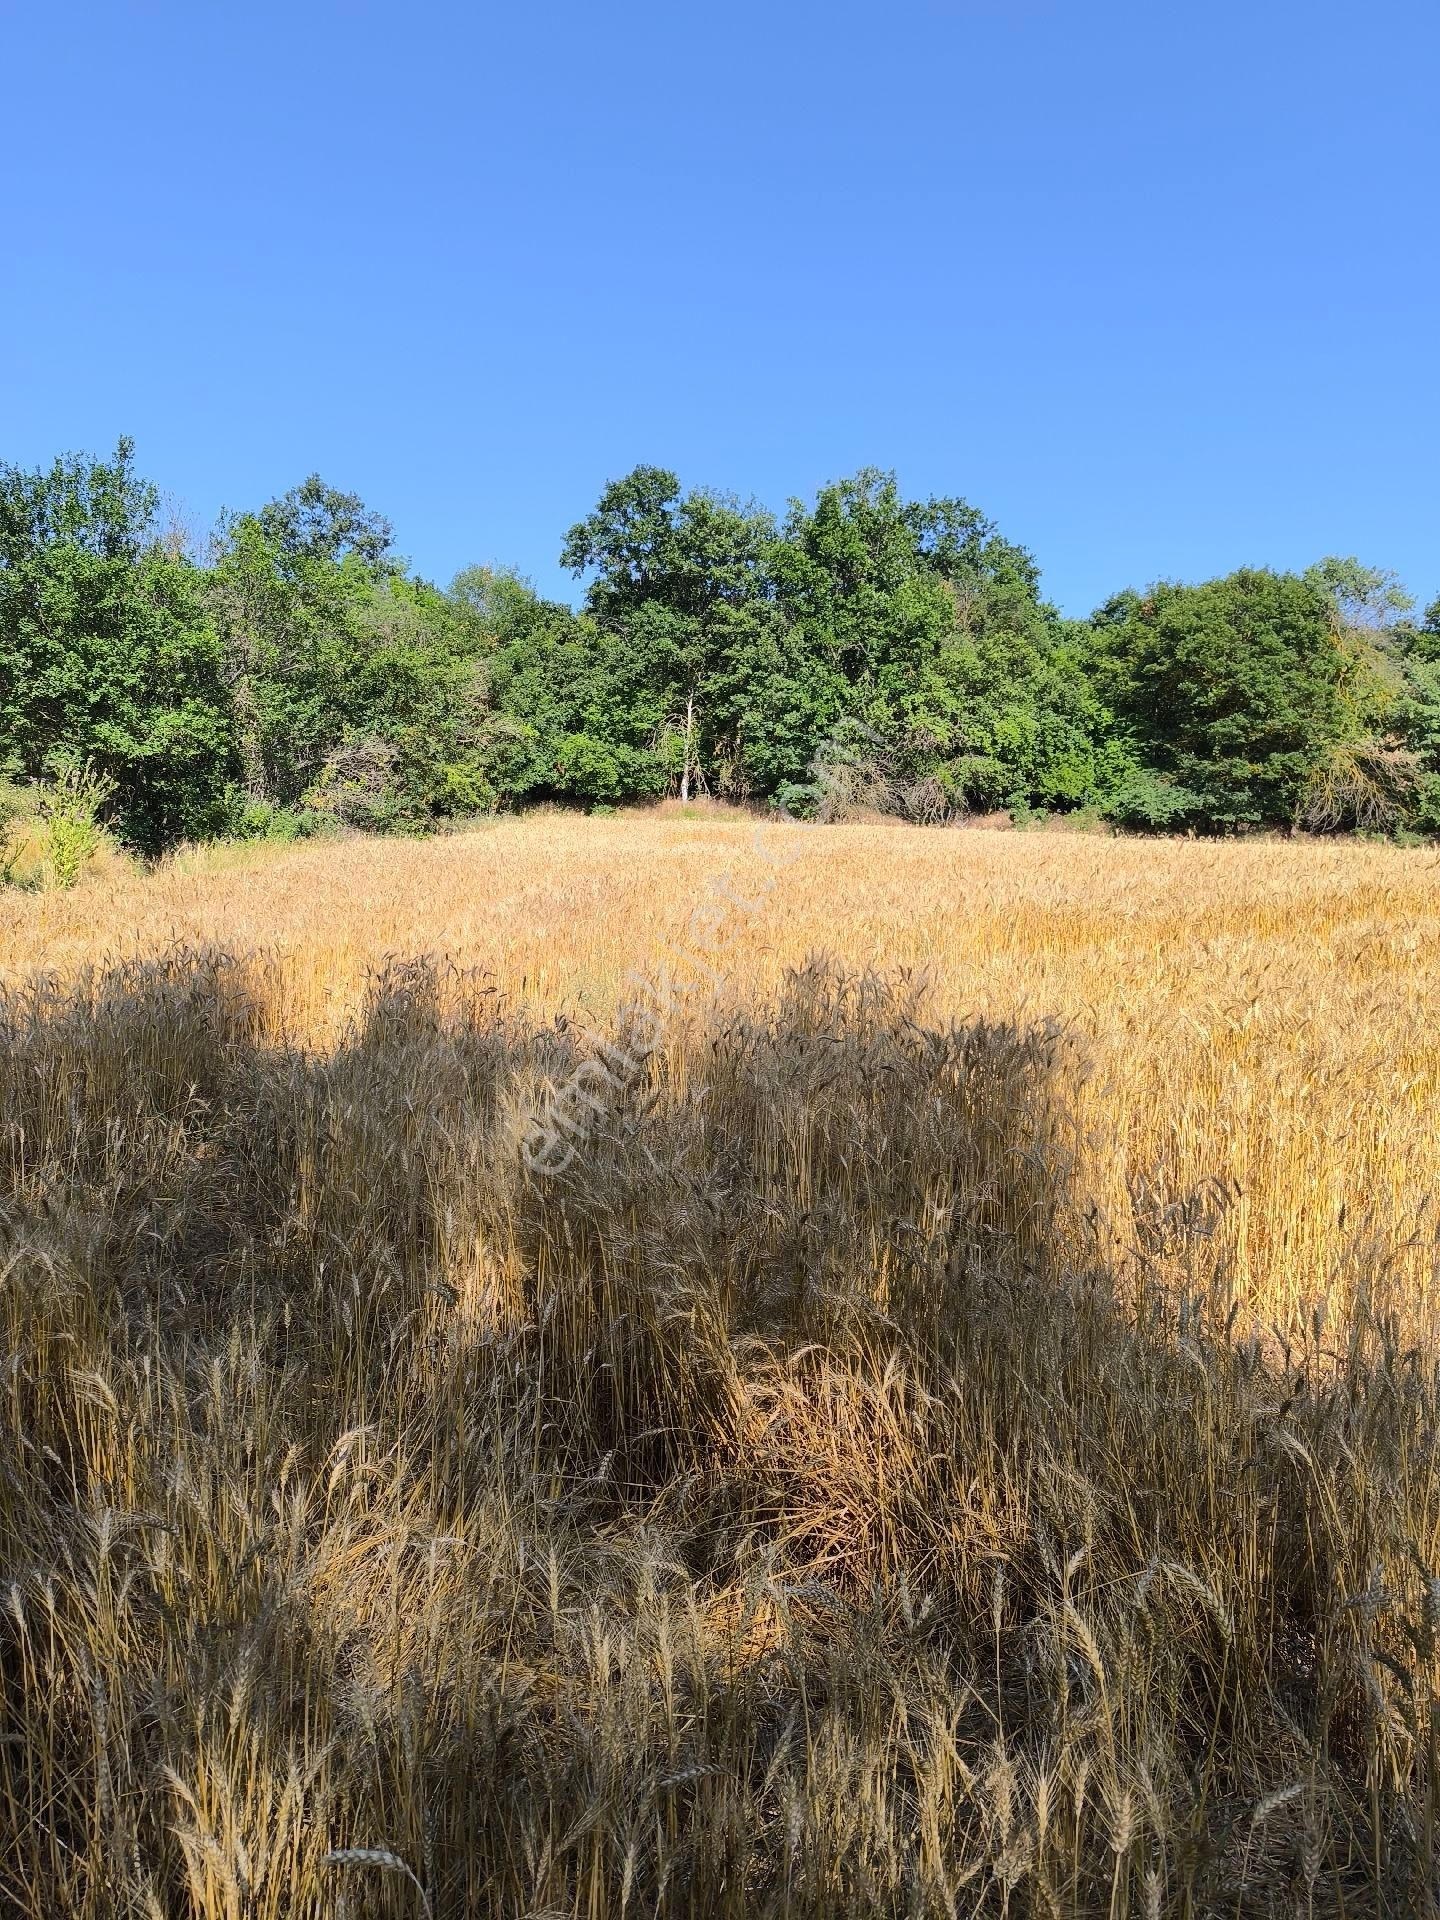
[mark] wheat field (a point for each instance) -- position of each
(957, 1436)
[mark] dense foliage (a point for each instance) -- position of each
(297, 675)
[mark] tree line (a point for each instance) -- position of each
(296, 675)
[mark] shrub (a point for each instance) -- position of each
(249, 818)
(70, 808)
(17, 835)
(1148, 801)
(357, 787)
(593, 768)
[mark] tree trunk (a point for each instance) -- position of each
(689, 731)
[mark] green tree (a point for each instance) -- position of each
(586, 708)
(355, 688)
(288, 587)
(1229, 692)
(107, 652)
(1368, 776)
(315, 522)
(920, 620)
(670, 572)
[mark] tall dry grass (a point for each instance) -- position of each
(960, 1438)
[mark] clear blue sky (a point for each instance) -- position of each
(1156, 285)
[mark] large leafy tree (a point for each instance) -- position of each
(289, 586)
(1232, 692)
(315, 522)
(919, 619)
(646, 543)
(1369, 776)
(107, 650)
(671, 573)
(337, 659)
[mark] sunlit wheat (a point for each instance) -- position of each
(960, 1439)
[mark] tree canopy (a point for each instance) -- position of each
(299, 676)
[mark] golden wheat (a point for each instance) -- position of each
(958, 1437)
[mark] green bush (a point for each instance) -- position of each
(70, 807)
(1148, 802)
(593, 768)
(248, 818)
